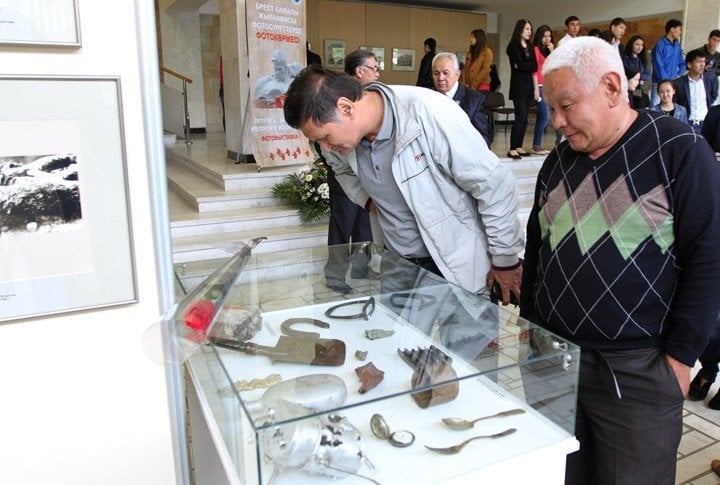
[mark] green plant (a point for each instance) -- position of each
(306, 191)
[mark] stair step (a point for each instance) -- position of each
(205, 196)
(195, 248)
(225, 173)
(221, 222)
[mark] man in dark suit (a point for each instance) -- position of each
(711, 128)
(445, 73)
(697, 90)
(348, 221)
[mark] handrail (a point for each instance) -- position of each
(176, 74)
(185, 80)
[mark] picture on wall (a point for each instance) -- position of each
(335, 54)
(65, 231)
(403, 59)
(379, 55)
(39, 22)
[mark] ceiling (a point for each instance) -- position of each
(466, 5)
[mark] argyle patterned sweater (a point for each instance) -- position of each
(622, 251)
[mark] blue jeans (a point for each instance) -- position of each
(711, 356)
(543, 116)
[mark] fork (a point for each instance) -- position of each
(452, 450)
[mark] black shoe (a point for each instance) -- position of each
(524, 154)
(699, 391)
(515, 156)
(714, 403)
(340, 287)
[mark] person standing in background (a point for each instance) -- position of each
(712, 54)
(635, 56)
(696, 90)
(425, 72)
(668, 61)
(666, 92)
(523, 93)
(572, 27)
(543, 43)
(479, 58)
(348, 221)
(446, 73)
(617, 29)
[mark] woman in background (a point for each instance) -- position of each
(543, 45)
(666, 91)
(476, 72)
(633, 79)
(521, 54)
(635, 56)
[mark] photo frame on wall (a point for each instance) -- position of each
(379, 55)
(403, 59)
(335, 53)
(40, 22)
(65, 232)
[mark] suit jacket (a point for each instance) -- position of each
(711, 128)
(522, 66)
(473, 103)
(682, 90)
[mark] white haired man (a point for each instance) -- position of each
(446, 75)
(621, 258)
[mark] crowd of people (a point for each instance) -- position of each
(620, 256)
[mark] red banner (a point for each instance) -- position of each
(276, 37)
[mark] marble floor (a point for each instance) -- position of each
(701, 435)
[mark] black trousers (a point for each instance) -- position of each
(348, 222)
(519, 126)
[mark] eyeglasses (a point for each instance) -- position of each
(374, 68)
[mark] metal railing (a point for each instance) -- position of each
(185, 80)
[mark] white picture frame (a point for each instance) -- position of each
(379, 55)
(40, 22)
(403, 59)
(63, 143)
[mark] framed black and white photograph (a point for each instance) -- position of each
(403, 59)
(335, 54)
(65, 232)
(40, 22)
(379, 55)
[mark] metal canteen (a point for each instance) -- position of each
(319, 392)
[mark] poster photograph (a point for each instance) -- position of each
(39, 22)
(64, 215)
(335, 54)
(403, 59)
(276, 31)
(379, 55)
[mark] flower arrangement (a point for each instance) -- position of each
(306, 191)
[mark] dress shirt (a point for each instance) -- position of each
(698, 101)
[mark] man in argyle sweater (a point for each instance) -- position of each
(621, 258)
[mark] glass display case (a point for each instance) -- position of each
(405, 379)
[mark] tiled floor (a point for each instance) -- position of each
(701, 439)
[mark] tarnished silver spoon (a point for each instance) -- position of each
(451, 450)
(462, 424)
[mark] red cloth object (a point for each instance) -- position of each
(200, 314)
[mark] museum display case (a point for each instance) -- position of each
(407, 378)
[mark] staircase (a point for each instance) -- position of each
(214, 203)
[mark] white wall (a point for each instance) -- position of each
(80, 403)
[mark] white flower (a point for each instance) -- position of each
(308, 177)
(324, 190)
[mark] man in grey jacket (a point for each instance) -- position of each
(412, 156)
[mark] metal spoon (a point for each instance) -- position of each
(452, 450)
(462, 424)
